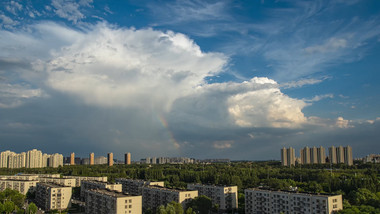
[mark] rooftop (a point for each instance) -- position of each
(293, 192)
(112, 193)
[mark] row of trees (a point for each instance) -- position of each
(13, 201)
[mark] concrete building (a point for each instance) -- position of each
(23, 186)
(55, 160)
(72, 158)
(225, 196)
(110, 159)
(259, 201)
(92, 156)
(305, 155)
(288, 157)
(338, 155)
(332, 155)
(104, 201)
(134, 187)
(86, 185)
(321, 155)
(53, 197)
(100, 160)
(313, 155)
(34, 159)
(79, 179)
(31, 159)
(67, 182)
(127, 158)
(154, 196)
(372, 158)
(348, 159)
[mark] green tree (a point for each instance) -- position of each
(190, 211)
(32, 208)
(201, 204)
(9, 206)
(362, 196)
(177, 207)
(2, 208)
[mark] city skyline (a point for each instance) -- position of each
(200, 79)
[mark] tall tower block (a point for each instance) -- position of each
(92, 157)
(127, 158)
(72, 158)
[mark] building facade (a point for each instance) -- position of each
(259, 201)
(86, 185)
(154, 196)
(92, 156)
(288, 157)
(53, 197)
(127, 158)
(79, 179)
(67, 182)
(134, 186)
(72, 158)
(225, 196)
(23, 186)
(110, 159)
(341, 155)
(102, 201)
(30, 159)
(313, 155)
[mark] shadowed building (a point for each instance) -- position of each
(127, 158)
(72, 158)
(92, 157)
(110, 159)
(288, 157)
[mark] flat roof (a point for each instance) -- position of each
(293, 192)
(168, 189)
(211, 185)
(51, 185)
(19, 180)
(112, 193)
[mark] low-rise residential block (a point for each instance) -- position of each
(154, 196)
(53, 197)
(103, 201)
(134, 186)
(79, 179)
(87, 185)
(225, 196)
(261, 201)
(23, 186)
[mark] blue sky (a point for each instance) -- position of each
(203, 79)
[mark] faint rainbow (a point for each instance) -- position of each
(164, 123)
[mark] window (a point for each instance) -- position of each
(335, 206)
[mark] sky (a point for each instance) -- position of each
(200, 79)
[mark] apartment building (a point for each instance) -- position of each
(53, 197)
(19, 177)
(288, 157)
(261, 201)
(23, 186)
(79, 179)
(154, 196)
(313, 155)
(127, 158)
(86, 185)
(67, 182)
(341, 154)
(225, 196)
(103, 201)
(134, 187)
